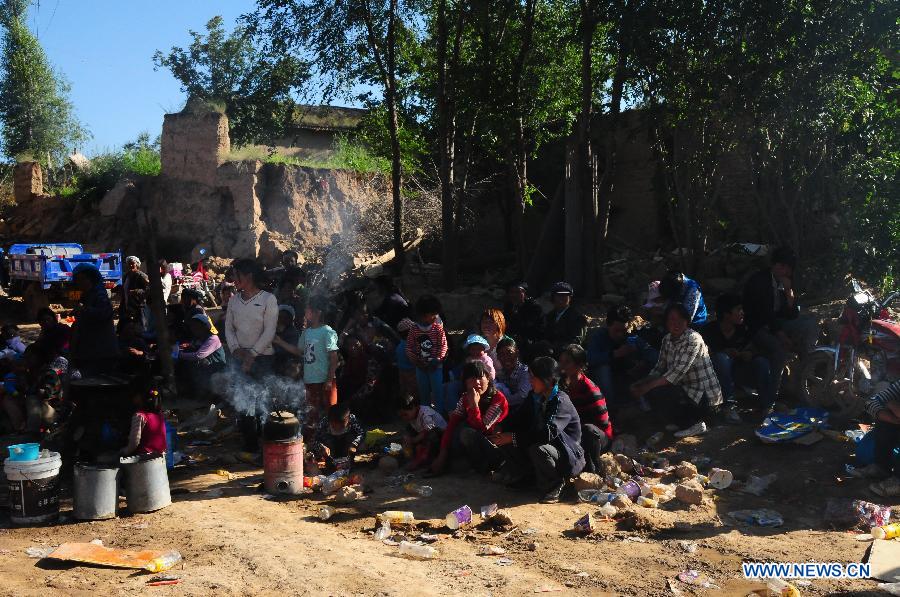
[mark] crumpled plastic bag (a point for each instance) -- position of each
(762, 517)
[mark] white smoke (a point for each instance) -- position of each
(259, 397)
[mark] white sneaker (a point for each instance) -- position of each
(695, 429)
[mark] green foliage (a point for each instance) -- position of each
(37, 117)
(256, 88)
(136, 158)
(345, 155)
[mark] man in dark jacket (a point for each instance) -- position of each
(546, 435)
(94, 348)
(564, 324)
(524, 317)
(772, 314)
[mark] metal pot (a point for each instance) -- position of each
(281, 425)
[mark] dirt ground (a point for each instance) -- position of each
(236, 540)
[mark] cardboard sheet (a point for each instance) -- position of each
(884, 560)
(89, 553)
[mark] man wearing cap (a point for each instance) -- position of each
(564, 324)
(524, 317)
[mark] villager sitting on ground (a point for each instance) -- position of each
(596, 428)
(564, 324)
(134, 292)
(683, 388)
(55, 335)
(148, 425)
(426, 348)
(546, 438)
(286, 363)
(200, 358)
(652, 310)
(94, 348)
(492, 327)
(33, 404)
(513, 378)
(480, 409)
(424, 431)
(773, 315)
(524, 317)
(734, 358)
(338, 437)
(11, 345)
(617, 358)
(885, 409)
(191, 305)
(318, 347)
(134, 349)
(393, 307)
(676, 288)
(476, 351)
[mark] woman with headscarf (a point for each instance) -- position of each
(135, 290)
(94, 348)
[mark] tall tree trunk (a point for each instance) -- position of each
(396, 164)
(586, 278)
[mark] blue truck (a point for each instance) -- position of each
(41, 273)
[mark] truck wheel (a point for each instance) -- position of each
(35, 299)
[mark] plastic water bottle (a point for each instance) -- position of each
(888, 531)
(414, 550)
(383, 532)
(326, 512)
(397, 517)
(420, 490)
(334, 481)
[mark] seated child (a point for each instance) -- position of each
(885, 409)
(148, 426)
(11, 345)
(513, 378)
(338, 437)
(477, 350)
(424, 432)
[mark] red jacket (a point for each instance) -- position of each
(484, 417)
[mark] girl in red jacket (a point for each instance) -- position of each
(480, 409)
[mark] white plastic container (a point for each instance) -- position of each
(33, 489)
(415, 551)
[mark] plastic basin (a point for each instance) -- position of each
(23, 452)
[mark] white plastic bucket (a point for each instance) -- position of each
(33, 489)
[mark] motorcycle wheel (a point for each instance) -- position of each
(819, 385)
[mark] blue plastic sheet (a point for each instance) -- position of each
(785, 427)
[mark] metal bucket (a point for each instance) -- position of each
(96, 491)
(33, 489)
(283, 467)
(146, 482)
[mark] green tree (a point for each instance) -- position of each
(38, 119)
(258, 88)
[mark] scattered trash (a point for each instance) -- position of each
(888, 531)
(163, 582)
(647, 502)
(139, 526)
(595, 496)
(326, 512)
(762, 517)
(488, 511)
(39, 553)
(688, 546)
(383, 532)
(692, 577)
(503, 562)
(419, 490)
(89, 553)
(583, 575)
(783, 427)
(548, 589)
(608, 511)
(530, 531)
(853, 513)
(349, 494)
(223, 473)
(585, 524)
(891, 588)
(872, 515)
(635, 539)
(500, 519)
(757, 485)
(720, 478)
(396, 517)
(864, 537)
(782, 588)
(416, 551)
(459, 518)
(491, 550)
(394, 450)
(428, 538)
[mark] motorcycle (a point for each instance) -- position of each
(866, 353)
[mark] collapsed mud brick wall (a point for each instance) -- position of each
(200, 199)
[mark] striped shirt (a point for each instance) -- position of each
(590, 403)
(879, 401)
(424, 346)
(483, 417)
(685, 362)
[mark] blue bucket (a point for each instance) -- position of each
(23, 452)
